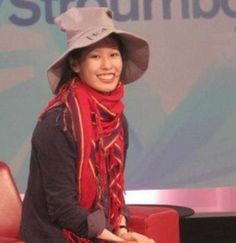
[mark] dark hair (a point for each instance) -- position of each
(68, 74)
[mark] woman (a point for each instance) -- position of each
(76, 181)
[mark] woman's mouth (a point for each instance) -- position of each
(106, 77)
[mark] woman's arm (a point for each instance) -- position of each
(122, 229)
(56, 157)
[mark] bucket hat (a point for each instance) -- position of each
(86, 26)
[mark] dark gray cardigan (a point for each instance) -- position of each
(50, 200)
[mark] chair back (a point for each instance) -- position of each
(10, 204)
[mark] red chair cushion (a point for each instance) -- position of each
(10, 240)
(159, 223)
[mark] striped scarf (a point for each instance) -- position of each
(97, 127)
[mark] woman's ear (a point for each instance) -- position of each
(74, 65)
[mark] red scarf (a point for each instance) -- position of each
(98, 130)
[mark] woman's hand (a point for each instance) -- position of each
(109, 236)
(136, 237)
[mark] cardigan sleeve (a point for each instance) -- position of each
(56, 153)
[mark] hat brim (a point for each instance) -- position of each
(136, 61)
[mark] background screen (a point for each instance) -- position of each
(181, 113)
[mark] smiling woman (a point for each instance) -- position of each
(99, 65)
(76, 184)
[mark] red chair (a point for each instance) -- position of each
(158, 223)
(10, 207)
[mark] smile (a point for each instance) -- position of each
(106, 77)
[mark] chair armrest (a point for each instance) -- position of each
(159, 223)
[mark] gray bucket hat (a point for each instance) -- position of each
(86, 26)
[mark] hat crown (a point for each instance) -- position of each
(81, 20)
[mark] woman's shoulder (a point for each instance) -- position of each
(54, 117)
(55, 122)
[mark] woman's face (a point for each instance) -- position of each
(100, 65)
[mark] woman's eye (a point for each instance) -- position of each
(95, 56)
(115, 54)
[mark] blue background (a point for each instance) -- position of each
(182, 112)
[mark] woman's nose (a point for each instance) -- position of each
(106, 63)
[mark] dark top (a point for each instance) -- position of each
(50, 200)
